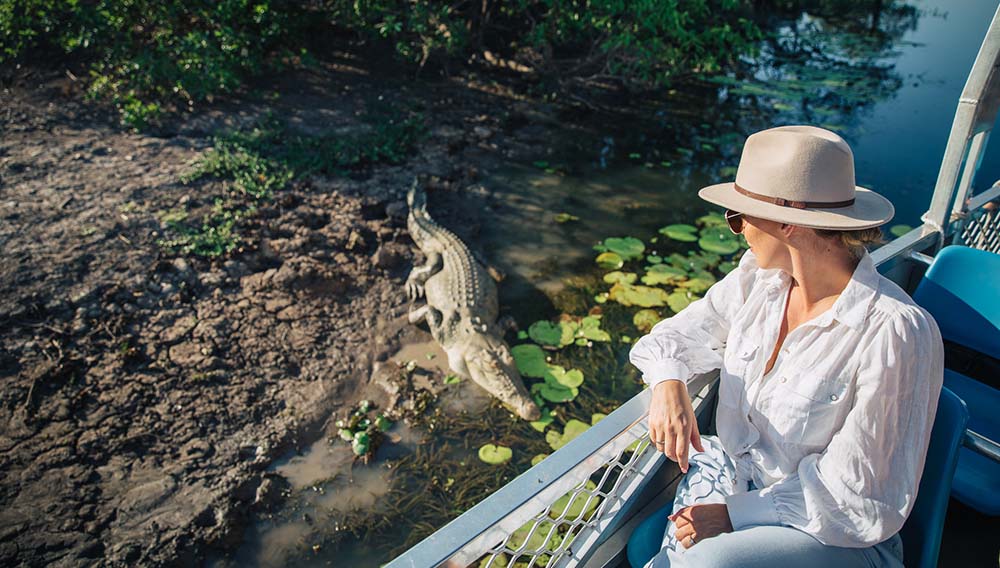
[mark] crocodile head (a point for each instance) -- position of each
(492, 367)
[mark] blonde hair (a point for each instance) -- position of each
(856, 241)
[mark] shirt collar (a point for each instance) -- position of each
(850, 308)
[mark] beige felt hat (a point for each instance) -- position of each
(802, 175)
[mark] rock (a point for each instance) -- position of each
(271, 492)
(389, 255)
(397, 210)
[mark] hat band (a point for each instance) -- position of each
(796, 204)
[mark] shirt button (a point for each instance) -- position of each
(833, 397)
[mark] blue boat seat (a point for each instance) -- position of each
(961, 289)
(922, 532)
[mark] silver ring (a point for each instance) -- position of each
(690, 540)
(660, 443)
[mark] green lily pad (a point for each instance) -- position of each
(900, 230)
(346, 435)
(619, 276)
(633, 295)
(663, 274)
(545, 332)
(521, 334)
(626, 247)
(552, 391)
(626, 339)
(544, 421)
(495, 455)
(569, 379)
(530, 360)
(719, 242)
(654, 259)
(453, 379)
(590, 328)
(601, 298)
(383, 423)
(609, 260)
(597, 417)
(538, 459)
(565, 217)
(699, 283)
(679, 300)
(544, 538)
(576, 505)
(680, 232)
(727, 266)
(713, 219)
(572, 429)
(644, 320)
(361, 442)
(489, 561)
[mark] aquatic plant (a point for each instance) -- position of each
(495, 455)
(680, 232)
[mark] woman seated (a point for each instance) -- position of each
(829, 375)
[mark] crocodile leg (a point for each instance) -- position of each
(419, 314)
(415, 281)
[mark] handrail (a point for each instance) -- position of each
(974, 118)
(981, 445)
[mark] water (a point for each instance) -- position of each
(614, 179)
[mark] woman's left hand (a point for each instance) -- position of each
(698, 522)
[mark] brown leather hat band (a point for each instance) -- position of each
(796, 204)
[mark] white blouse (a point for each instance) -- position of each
(836, 435)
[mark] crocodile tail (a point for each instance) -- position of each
(416, 198)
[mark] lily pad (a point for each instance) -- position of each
(663, 274)
(719, 242)
(654, 258)
(609, 260)
(565, 217)
(453, 379)
(361, 442)
(679, 300)
(530, 360)
(900, 230)
(569, 379)
(543, 537)
(544, 421)
(633, 295)
(545, 332)
(552, 391)
(572, 429)
(590, 328)
(597, 417)
(681, 232)
(538, 459)
(645, 319)
(699, 283)
(495, 455)
(346, 435)
(383, 423)
(712, 219)
(727, 266)
(576, 504)
(626, 247)
(619, 276)
(601, 298)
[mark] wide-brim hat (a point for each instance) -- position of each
(802, 175)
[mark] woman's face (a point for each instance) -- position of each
(766, 241)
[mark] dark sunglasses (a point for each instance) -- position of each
(735, 221)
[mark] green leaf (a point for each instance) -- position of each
(713, 219)
(597, 417)
(645, 319)
(544, 421)
(545, 332)
(521, 334)
(654, 259)
(663, 274)
(719, 242)
(590, 328)
(495, 455)
(538, 459)
(346, 435)
(679, 300)
(542, 164)
(565, 218)
(383, 423)
(576, 505)
(453, 379)
(632, 295)
(727, 266)
(609, 261)
(569, 379)
(900, 230)
(552, 391)
(680, 232)
(572, 429)
(626, 247)
(601, 298)
(539, 540)
(619, 276)
(699, 283)
(361, 442)
(530, 360)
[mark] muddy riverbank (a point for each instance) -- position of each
(144, 393)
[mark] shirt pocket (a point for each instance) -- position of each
(806, 408)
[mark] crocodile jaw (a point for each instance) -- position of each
(492, 367)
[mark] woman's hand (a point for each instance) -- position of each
(698, 522)
(672, 422)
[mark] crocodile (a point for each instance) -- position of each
(461, 309)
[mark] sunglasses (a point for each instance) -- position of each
(735, 221)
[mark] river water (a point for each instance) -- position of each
(893, 101)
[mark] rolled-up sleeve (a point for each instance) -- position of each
(859, 491)
(693, 341)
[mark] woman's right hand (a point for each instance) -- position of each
(672, 421)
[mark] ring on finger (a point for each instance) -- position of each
(691, 540)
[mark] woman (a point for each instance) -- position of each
(829, 375)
